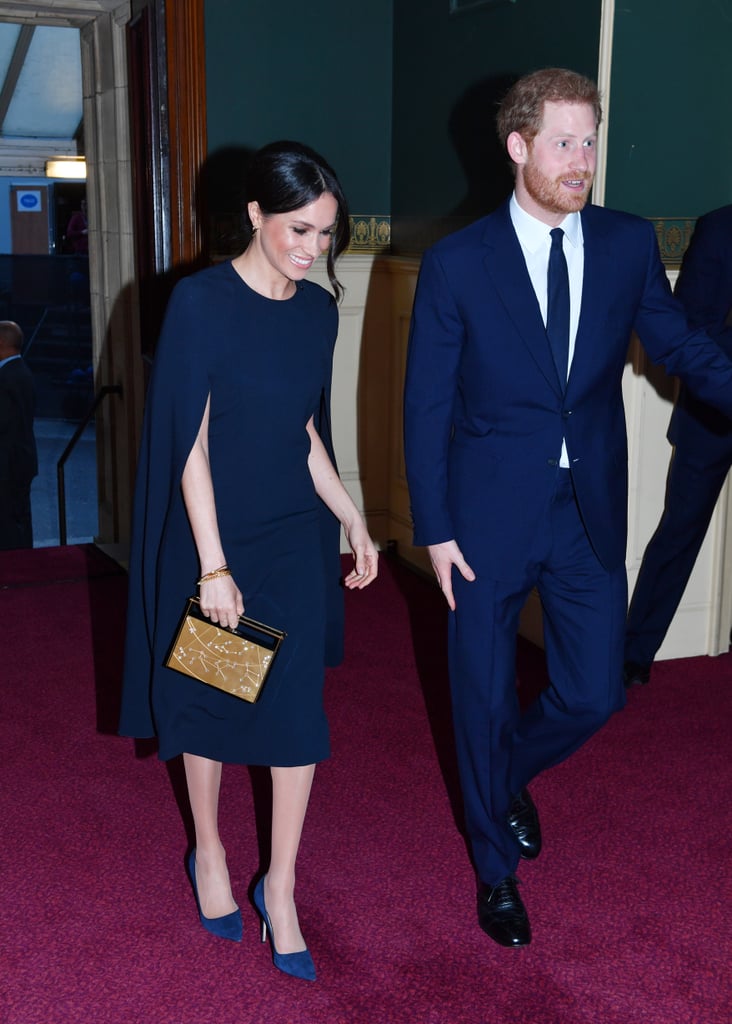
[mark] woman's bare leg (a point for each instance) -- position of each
(212, 877)
(290, 795)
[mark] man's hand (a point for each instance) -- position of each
(443, 557)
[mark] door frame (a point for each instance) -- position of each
(117, 357)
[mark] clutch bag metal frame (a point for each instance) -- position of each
(237, 661)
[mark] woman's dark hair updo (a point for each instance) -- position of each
(285, 176)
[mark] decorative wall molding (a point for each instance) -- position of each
(674, 235)
(370, 233)
(228, 235)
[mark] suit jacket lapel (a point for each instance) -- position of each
(505, 265)
(598, 269)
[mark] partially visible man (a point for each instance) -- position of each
(18, 457)
(702, 456)
(516, 458)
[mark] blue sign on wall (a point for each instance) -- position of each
(29, 201)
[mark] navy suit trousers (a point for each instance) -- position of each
(695, 480)
(500, 749)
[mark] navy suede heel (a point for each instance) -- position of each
(299, 965)
(227, 927)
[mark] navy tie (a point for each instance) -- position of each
(557, 313)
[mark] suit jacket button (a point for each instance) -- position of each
(552, 462)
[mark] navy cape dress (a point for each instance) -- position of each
(267, 366)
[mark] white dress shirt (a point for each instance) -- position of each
(535, 241)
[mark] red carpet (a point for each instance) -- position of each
(629, 901)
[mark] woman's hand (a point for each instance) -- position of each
(221, 601)
(329, 487)
(365, 557)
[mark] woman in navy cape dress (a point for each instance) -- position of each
(237, 485)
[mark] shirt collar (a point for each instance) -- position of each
(8, 360)
(533, 233)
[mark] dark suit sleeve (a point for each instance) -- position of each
(7, 420)
(18, 458)
(432, 381)
(705, 283)
(663, 328)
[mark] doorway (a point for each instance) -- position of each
(44, 272)
(113, 366)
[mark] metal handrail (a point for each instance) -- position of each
(108, 389)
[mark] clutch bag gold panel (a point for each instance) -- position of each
(235, 660)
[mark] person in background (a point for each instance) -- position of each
(516, 458)
(18, 454)
(237, 490)
(77, 231)
(701, 459)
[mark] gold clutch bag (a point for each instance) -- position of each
(235, 660)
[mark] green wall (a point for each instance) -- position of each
(318, 72)
(449, 72)
(397, 94)
(400, 95)
(670, 144)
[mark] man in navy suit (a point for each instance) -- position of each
(702, 439)
(516, 458)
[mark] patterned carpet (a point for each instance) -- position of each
(629, 901)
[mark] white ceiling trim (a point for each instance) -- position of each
(60, 12)
(27, 157)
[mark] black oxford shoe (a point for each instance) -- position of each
(502, 915)
(635, 674)
(523, 820)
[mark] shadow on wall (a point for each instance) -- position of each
(219, 199)
(485, 164)
(472, 128)
(221, 190)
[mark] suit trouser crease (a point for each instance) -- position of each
(500, 749)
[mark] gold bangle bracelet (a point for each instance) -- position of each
(223, 570)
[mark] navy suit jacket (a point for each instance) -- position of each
(485, 413)
(705, 290)
(18, 457)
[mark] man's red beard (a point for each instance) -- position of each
(550, 194)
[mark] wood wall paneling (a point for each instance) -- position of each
(187, 120)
